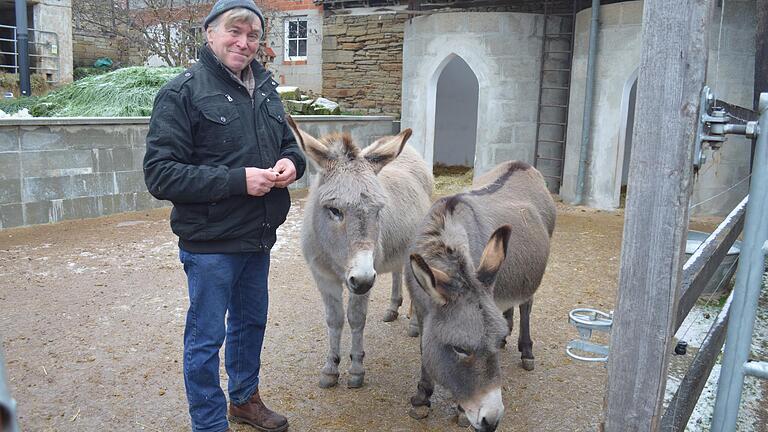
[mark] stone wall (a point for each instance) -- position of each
(55, 16)
(362, 62)
(55, 169)
(89, 46)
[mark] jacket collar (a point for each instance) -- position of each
(212, 63)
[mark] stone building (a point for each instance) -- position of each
(49, 25)
(484, 82)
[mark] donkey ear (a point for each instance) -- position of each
(493, 255)
(385, 150)
(313, 148)
(430, 279)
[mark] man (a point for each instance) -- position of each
(220, 150)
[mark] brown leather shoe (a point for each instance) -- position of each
(254, 413)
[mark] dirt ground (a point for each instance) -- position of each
(92, 315)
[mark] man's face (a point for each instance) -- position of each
(236, 44)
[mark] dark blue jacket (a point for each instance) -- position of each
(205, 129)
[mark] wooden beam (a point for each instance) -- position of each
(684, 401)
(697, 273)
(672, 72)
(761, 50)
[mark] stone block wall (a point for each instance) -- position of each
(55, 16)
(74, 168)
(503, 50)
(362, 62)
(88, 46)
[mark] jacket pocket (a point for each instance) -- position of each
(218, 211)
(189, 221)
(276, 111)
(220, 127)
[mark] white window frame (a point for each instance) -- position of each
(287, 40)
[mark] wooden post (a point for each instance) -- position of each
(761, 50)
(672, 72)
(761, 60)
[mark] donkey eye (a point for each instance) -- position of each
(461, 352)
(335, 213)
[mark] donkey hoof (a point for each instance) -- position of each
(462, 420)
(413, 331)
(419, 412)
(390, 315)
(528, 364)
(355, 381)
(328, 380)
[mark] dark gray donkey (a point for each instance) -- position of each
(362, 212)
(465, 282)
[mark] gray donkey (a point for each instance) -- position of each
(465, 283)
(362, 212)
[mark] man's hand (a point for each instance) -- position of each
(259, 181)
(286, 172)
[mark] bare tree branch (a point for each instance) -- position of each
(169, 29)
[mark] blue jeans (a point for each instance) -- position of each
(235, 286)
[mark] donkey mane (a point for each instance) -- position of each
(449, 256)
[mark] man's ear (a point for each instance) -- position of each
(317, 151)
(430, 279)
(493, 255)
(385, 150)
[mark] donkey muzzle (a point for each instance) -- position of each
(361, 274)
(361, 285)
(484, 415)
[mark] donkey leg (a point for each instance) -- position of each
(413, 326)
(509, 315)
(396, 299)
(524, 342)
(334, 320)
(356, 312)
(420, 402)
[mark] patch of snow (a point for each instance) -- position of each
(130, 223)
(326, 103)
(286, 89)
(22, 113)
(693, 330)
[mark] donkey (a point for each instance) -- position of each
(465, 282)
(362, 212)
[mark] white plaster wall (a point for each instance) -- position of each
(619, 45)
(308, 76)
(56, 16)
(618, 56)
(504, 52)
(731, 76)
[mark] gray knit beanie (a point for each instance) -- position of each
(222, 6)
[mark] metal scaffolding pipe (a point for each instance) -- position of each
(586, 124)
(746, 291)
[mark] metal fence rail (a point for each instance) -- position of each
(43, 53)
(697, 272)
